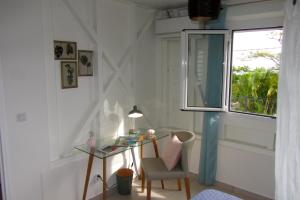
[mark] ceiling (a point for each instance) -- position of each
(166, 4)
(162, 4)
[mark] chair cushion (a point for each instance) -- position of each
(155, 169)
(172, 152)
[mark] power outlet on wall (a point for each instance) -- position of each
(21, 117)
(96, 178)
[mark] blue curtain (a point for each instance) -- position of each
(209, 144)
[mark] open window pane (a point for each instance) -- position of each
(204, 55)
(254, 73)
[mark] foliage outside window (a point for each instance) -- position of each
(254, 73)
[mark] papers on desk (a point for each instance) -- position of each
(106, 149)
(126, 140)
(122, 141)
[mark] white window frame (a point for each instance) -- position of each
(184, 70)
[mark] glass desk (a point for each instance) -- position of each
(109, 147)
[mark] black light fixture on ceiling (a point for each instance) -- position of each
(204, 10)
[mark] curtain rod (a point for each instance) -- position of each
(246, 3)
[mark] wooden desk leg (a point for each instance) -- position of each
(157, 155)
(88, 174)
(104, 180)
(141, 157)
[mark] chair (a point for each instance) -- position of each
(155, 169)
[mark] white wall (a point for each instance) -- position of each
(70, 105)
(255, 15)
(244, 167)
(21, 50)
(37, 148)
(145, 92)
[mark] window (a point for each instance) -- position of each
(255, 62)
(204, 58)
(254, 71)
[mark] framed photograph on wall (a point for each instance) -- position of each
(69, 75)
(85, 63)
(65, 50)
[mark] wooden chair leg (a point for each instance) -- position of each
(187, 188)
(179, 184)
(148, 190)
(143, 179)
(162, 184)
(157, 156)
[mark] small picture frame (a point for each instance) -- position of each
(85, 63)
(65, 50)
(69, 74)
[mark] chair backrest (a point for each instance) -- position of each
(187, 138)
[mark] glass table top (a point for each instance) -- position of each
(107, 147)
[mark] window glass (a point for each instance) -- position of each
(254, 71)
(204, 59)
(205, 51)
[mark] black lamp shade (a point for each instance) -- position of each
(204, 10)
(135, 113)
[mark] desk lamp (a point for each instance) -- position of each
(135, 113)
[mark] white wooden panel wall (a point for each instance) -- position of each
(113, 30)
(68, 108)
(109, 30)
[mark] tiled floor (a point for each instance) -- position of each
(171, 191)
